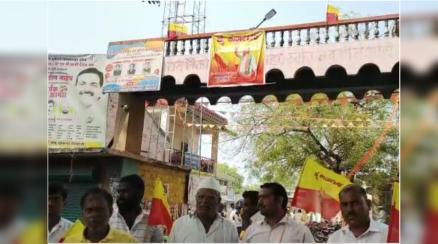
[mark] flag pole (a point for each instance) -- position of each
(326, 21)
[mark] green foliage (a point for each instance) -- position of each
(277, 139)
(231, 171)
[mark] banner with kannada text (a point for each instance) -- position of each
(77, 107)
(134, 67)
(317, 190)
(237, 59)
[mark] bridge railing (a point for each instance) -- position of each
(319, 33)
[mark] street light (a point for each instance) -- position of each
(268, 16)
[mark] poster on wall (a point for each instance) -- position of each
(134, 67)
(237, 59)
(77, 107)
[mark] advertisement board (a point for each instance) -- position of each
(134, 67)
(77, 107)
(237, 59)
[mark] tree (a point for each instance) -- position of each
(232, 171)
(278, 137)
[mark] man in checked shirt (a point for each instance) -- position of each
(129, 217)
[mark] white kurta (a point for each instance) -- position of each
(189, 229)
(248, 64)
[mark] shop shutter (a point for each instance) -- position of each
(72, 210)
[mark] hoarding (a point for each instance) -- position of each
(77, 107)
(134, 67)
(237, 59)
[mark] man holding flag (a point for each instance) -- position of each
(129, 217)
(360, 228)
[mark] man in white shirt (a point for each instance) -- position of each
(298, 216)
(360, 228)
(277, 226)
(57, 225)
(235, 216)
(205, 225)
(129, 217)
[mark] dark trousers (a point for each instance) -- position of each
(239, 230)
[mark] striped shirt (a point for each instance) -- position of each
(59, 230)
(140, 230)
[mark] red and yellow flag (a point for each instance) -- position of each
(160, 210)
(76, 228)
(431, 225)
(318, 189)
(332, 14)
(176, 30)
(394, 218)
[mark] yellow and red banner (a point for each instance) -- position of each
(160, 210)
(176, 30)
(318, 189)
(75, 229)
(431, 225)
(237, 59)
(394, 218)
(332, 14)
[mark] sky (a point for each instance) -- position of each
(91, 30)
(73, 27)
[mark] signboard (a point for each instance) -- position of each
(77, 108)
(134, 67)
(237, 59)
(192, 161)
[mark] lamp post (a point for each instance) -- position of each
(268, 16)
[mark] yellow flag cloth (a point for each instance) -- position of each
(75, 229)
(318, 189)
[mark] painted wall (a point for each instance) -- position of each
(176, 180)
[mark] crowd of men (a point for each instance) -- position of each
(264, 217)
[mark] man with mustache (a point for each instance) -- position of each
(205, 225)
(277, 226)
(360, 228)
(89, 86)
(129, 217)
(97, 207)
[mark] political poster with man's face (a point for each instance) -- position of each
(77, 107)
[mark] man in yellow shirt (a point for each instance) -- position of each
(97, 209)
